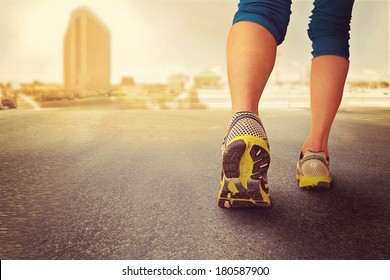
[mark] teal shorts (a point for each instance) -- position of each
(328, 28)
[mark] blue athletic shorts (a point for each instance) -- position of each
(328, 29)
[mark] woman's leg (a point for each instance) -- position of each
(259, 26)
(329, 32)
(251, 52)
(328, 74)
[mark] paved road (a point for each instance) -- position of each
(139, 184)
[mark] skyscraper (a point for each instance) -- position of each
(86, 52)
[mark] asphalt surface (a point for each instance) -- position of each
(142, 184)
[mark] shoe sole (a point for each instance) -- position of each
(244, 178)
(322, 182)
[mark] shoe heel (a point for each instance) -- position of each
(244, 181)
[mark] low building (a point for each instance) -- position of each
(207, 79)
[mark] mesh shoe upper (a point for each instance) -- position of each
(244, 123)
(313, 164)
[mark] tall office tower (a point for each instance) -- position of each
(86, 52)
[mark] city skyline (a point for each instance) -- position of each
(154, 39)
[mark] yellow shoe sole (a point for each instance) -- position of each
(322, 182)
(244, 173)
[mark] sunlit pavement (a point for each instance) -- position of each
(142, 184)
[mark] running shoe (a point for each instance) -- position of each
(313, 170)
(245, 161)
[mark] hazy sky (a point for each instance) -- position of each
(154, 38)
